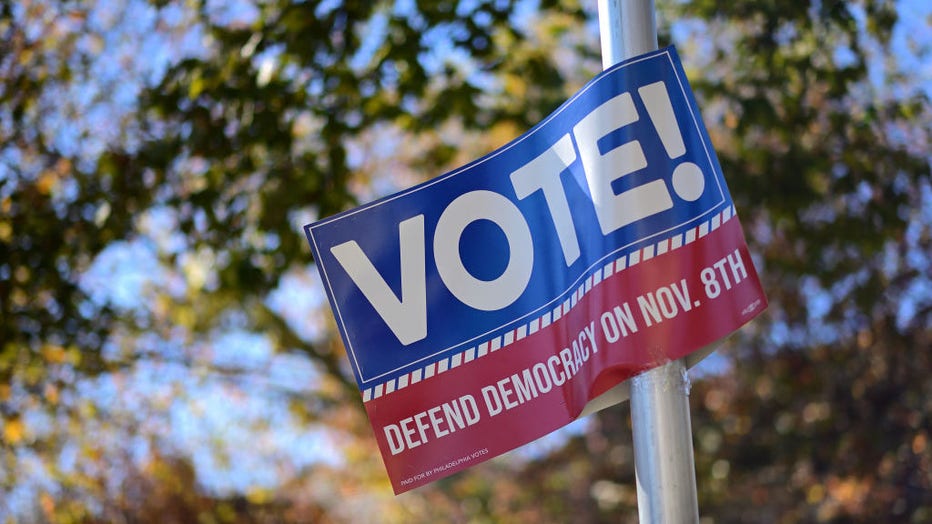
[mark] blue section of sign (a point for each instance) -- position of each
(679, 184)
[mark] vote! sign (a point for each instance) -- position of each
(486, 307)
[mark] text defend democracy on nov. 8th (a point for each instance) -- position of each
(509, 392)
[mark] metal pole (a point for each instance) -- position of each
(663, 446)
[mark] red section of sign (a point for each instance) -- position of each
(660, 309)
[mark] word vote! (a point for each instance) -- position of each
(406, 315)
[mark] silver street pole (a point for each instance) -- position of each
(663, 446)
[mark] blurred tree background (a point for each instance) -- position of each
(166, 354)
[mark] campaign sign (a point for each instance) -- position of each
(486, 307)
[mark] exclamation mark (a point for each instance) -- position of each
(688, 181)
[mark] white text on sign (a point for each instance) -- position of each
(508, 392)
(406, 315)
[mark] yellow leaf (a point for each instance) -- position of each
(46, 182)
(48, 505)
(51, 394)
(73, 356)
(13, 431)
(815, 494)
(6, 231)
(196, 87)
(259, 496)
(54, 354)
